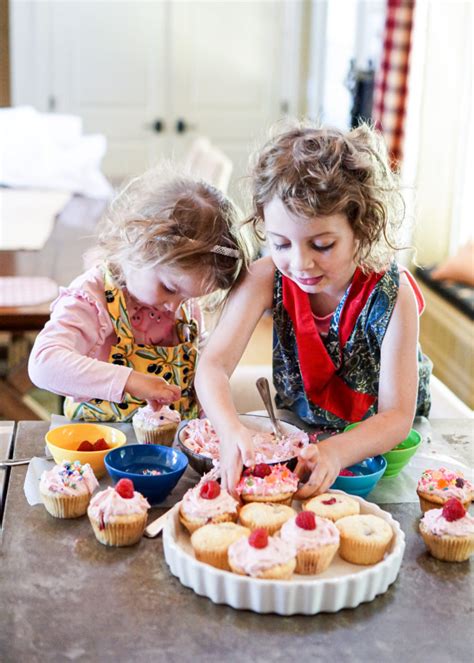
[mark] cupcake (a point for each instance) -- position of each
(266, 515)
(364, 538)
(332, 506)
(207, 503)
(265, 483)
(118, 515)
(66, 489)
(263, 556)
(211, 542)
(156, 427)
(449, 532)
(436, 487)
(316, 540)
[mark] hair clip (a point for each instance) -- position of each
(225, 251)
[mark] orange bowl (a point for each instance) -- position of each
(64, 440)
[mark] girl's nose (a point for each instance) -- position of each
(301, 259)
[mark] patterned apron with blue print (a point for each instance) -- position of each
(333, 381)
(176, 364)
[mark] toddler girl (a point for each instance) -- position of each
(345, 315)
(127, 330)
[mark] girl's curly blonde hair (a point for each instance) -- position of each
(163, 217)
(324, 171)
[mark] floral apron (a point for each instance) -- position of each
(175, 364)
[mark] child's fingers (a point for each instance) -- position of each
(318, 478)
(307, 460)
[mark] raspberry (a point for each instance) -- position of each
(306, 520)
(258, 538)
(261, 470)
(85, 446)
(101, 445)
(453, 510)
(331, 500)
(460, 482)
(125, 488)
(346, 473)
(210, 490)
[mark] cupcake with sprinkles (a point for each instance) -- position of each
(268, 483)
(436, 487)
(66, 489)
(207, 503)
(156, 427)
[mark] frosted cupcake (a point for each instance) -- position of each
(207, 503)
(66, 489)
(156, 427)
(263, 556)
(118, 515)
(266, 515)
(449, 532)
(332, 506)
(211, 543)
(316, 540)
(265, 483)
(364, 538)
(436, 487)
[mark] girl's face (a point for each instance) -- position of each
(316, 253)
(164, 287)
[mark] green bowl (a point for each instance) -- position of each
(399, 456)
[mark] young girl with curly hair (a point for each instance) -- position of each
(345, 314)
(126, 332)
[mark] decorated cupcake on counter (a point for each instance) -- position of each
(156, 426)
(268, 483)
(207, 503)
(316, 540)
(449, 532)
(66, 489)
(263, 556)
(436, 487)
(118, 515)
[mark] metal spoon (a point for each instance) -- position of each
(13, 462)
(264, 391)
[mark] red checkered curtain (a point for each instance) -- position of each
(390, 95)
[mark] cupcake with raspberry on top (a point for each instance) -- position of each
(449, 532)
(436, 487)
(316, 540)
(263, 556)
(207, 503)
(268, 483)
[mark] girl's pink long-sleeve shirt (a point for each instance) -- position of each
(70, 355)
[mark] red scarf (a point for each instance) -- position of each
(323, 387)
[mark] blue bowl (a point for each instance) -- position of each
(132, 460)
(368, 472)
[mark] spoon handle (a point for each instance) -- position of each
(264, 391)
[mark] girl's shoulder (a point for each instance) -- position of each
(87, 288)
(262, 271)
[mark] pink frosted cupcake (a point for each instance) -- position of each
(118, 515)
(66, 489)
(436, 487)
(262, 556)
(316, 540)
(449, 532)
(268, 483)
(207, 503)
(156, 427)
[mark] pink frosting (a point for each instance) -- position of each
(69, 479)
(433, 482)
(325, 534)
(254, 561)
(195, 506)
(147, 418)
(435, 523)
(281, 480)
(108, 503)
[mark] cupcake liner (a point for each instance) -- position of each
(317, 560)
(211, 546)
(362, 552)
(124, 531)
(448, 548)
(163, 435)
(193, 525)
(66, 506)
(216, 558)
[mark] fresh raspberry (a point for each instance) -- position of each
(331, 500)
(460, 482)
(261, 470)
(101, 445)
(247, 472)
(258, 538)
(453, 510)
(306, 520)
(85, 446)
(210, 490)
(346, 473)
(125, 488)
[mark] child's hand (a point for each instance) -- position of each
(236, 450)
(151, 388)
(318, 466)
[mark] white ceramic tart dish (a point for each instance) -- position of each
(342, 585)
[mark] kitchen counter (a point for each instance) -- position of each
(64, 596)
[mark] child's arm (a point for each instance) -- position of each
(223, 351)
(398, 387)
